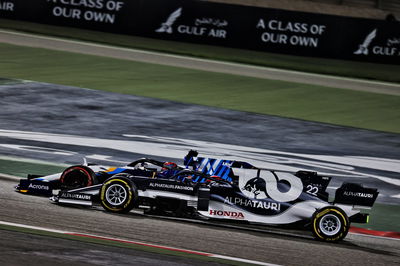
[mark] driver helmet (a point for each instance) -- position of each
(213, 178)
(168, 165)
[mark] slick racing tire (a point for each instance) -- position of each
(77, 176)
(118, 194)
(330, 224)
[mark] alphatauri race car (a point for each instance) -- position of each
(207, 188)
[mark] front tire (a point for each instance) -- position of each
(330, 224)
(77, 176)
(118, 194)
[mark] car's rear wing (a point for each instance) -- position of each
(356, 194)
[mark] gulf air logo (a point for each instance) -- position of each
(167, 25)
(363, 48)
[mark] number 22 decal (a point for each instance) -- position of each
(312, 190)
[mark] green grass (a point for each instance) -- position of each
(308, 64)
(5, 81)
(287, 99)
(21, 168)
(383, 217)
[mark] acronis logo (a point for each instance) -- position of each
(36, 186)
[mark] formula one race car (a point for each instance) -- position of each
(217, 189)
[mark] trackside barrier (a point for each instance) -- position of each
(364, 231)
(261, 29)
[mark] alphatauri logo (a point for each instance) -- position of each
(363, 48)
(167, 25)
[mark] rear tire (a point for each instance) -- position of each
(118, 194)
(77, 176)
(330, 224)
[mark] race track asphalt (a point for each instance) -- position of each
(19, 248)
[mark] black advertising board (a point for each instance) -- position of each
(279, 31)
(261, 29)
(102, 15)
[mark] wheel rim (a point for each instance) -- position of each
(75, 178)
(75, 181)
(330, 224)
(116, 194)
